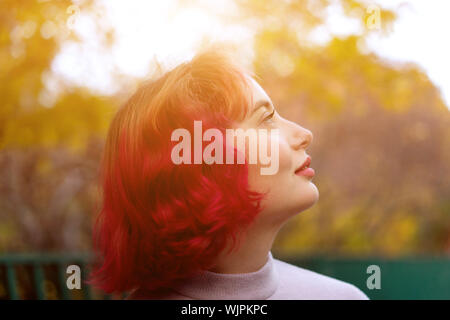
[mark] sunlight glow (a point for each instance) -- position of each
(165, 31)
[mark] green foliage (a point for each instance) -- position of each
(49, 155)
(74, 119)
(31, 33)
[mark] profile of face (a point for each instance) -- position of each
(287, 191)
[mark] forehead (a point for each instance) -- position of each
(258, 93)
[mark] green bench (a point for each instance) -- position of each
(44, 276)
(414, 278)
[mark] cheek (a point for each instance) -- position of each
(286, 193)
(285, 157)
(263, 183)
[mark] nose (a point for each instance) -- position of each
(301, 137)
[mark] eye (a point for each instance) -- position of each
(270, 116)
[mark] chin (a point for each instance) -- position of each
(283, 204)
(310, 196)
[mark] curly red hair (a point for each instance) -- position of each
(160, 222)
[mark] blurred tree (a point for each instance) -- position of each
(31, 34)
(48, 197)
(49, 153)
(381, 132)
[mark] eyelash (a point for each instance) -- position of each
(269, 117)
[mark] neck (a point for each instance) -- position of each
(251, 254)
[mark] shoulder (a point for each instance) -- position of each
(297, 283)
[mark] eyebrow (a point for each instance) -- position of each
(259, 104)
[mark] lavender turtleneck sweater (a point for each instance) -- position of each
(276, 280)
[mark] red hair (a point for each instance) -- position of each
(160, 222)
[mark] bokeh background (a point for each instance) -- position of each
(371, 80)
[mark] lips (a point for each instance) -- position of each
(305, 170)
(304, 165)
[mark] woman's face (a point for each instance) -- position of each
(288, 192)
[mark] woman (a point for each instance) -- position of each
(172, 228)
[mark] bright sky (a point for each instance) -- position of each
(420, 35)
(155, 29)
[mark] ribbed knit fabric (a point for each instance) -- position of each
(276, 280)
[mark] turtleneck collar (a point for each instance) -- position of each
(258, 285)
